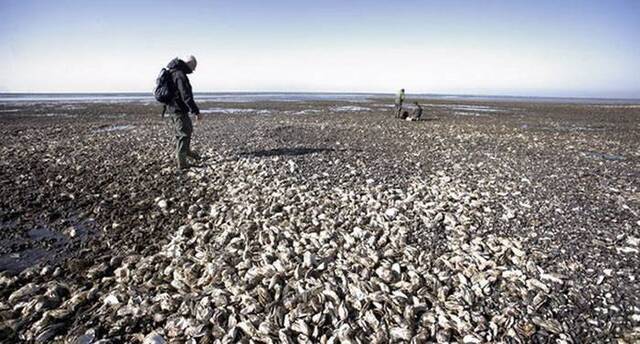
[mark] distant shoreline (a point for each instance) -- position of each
(6, 97)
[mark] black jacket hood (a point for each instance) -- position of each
(179, 65)
(183, 101)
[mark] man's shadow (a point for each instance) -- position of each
(286, 151)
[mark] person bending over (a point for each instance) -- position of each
(180, 106)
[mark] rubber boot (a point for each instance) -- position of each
(193, 155)
(181, 153)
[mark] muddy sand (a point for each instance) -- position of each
(321, 221)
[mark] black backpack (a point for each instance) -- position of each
(165, 89)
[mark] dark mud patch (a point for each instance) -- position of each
(287, 152)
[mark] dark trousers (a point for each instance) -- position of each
(183, 129)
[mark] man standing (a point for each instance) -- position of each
(399, 101)
(180, 106)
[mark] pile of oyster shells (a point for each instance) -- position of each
(281, 256)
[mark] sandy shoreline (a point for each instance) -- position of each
(117, 244)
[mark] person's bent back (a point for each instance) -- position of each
(183, 101)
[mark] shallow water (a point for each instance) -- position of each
(112, 116)
(29, 255)
(303, 112)
(561, 128)
(42, 233)
(32, 98)
(350, 108)
(229, 111)
(35, 114)
(473, 114)
(604, 156)
(41, 244)
(475, 108)
(114, 128)
(19, 261)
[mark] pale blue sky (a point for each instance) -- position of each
(548, 48)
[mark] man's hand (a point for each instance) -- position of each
(198, 117)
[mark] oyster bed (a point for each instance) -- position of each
(307, 223)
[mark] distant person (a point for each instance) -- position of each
(180, 105)
(417, 113)
(399, 101)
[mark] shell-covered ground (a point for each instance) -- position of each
(321, 222)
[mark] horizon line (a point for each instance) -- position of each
(478, 95)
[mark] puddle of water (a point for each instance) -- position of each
(114, 128)
(473, 108)
(232, 111)
(112, 116)
(302, 112)
(42, 233)
(604, 156)
(50, 114)
(573, 128)
(42, 245)
(468, 108)
(576, 128)
(8, 225)
(473, 114)
(350, 108)
(27, 257)
(16, 262)
(621, 106)
(72, 107)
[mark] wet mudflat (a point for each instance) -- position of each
(319, 221)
